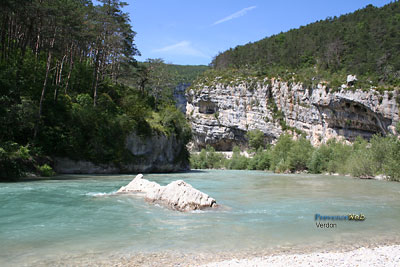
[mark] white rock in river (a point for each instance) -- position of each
(138, 184)
(180, 196)
(177, 195)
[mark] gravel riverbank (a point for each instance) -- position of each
(366, 255)
(380, 256)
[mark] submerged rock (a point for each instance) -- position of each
(177, 195)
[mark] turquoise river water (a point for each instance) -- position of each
(77, 215)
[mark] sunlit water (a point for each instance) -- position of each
(79, 215)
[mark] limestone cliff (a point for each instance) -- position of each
(222, 112)
(156, 153)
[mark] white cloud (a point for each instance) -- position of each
(235, 15)
(181, 48)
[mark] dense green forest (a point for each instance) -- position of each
(366, 43)
(64, 67)
(160, 78)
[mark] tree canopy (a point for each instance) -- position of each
(365, 43)
(63, 67)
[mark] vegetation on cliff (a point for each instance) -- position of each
(63, 72)
(364, 43)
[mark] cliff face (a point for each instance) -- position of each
(221, 113)
(157, 153)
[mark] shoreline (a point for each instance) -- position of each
(376, 254)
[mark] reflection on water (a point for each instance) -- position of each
(76, 215)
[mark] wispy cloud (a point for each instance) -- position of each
(181, 48)
(235, 15)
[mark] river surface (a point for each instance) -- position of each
(80, 215)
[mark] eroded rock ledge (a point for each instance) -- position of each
(177, 195)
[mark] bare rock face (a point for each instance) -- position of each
(221, 112)
(177, 195)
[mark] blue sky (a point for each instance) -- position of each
(192, 32)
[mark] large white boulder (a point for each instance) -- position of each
(180, 196)
(177, 195)
(138, 184)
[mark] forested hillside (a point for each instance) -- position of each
(366, 43)
(62, 67)
(160, 78)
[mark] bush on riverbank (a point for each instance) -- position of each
(12, 160)
(17, 161)
(207, 159)
(379, 156)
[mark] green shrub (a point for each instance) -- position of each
(207, 159)
(320, 159)
(14, 161)
(237, 162)
(361, 163)
(391, 166)
(260, 161)
(300, 154)
(256, 139)
(280, 152)
(46, 171)
(338, 157)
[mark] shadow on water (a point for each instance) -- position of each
(65, 177)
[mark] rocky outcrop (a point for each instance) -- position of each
(177, 195)
(222, 112)
(139, 185)
(157, 153)
(351, 79)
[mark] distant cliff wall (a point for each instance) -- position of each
(221, 113)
